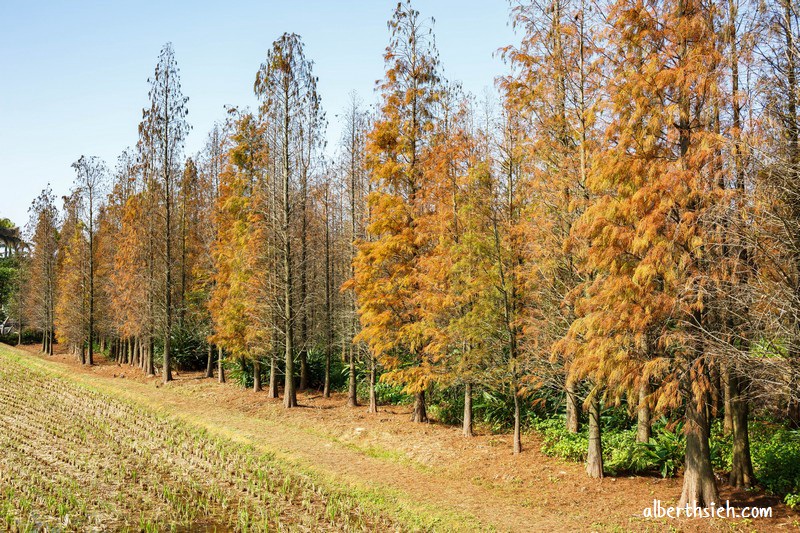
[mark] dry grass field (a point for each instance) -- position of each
(76, 459)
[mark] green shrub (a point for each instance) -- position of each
(792, 500)
(666, 449)
(340, 372)
(189, 349)
(558, 442)
(721, 448)
(775, 451)
(496, 409)
(342, 376)
(385, 393)
(240, 371)
(621, 452)
(776, 461)
(29, 336)
(447, 405)
(615, 420)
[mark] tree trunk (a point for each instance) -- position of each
(373, 397)
(220, 367)
(594, 454)
(303, 370)
(168, 262)
(151, 367)
(210, 362)
(256, 375)
(167, 359)
(273, 378)
(643, 414)
(793, 405)
(326, 390)
(419, 414)
(716, 403)
(90, 333)
(289, 394)
(573, 409)
(352, 393)
(517, 422)
(137, 353)
(90, 191)
(467, 426)
(727, 420)
(303, 356)
(699, 485)
(793, 413)
(741, 462)
(352, 397)
(792, 126)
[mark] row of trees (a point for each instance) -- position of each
(620, 225)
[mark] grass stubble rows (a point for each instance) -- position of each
(75, 459)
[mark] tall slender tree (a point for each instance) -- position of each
(387, 280)
(353, 163)
(286, 85)
(41, 278)
(72, 281)
(647, 229)
(90, 181)
(165, 128)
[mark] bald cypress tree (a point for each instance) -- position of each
(648, 238)
(90, 181)
(387, 280)
(287, 88)
(165, 128)
(42, 267)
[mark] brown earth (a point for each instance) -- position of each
(428, 464)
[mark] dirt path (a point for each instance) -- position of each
(472, 483)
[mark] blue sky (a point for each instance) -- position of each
(73, 74)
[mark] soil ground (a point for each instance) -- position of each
(472, 483)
